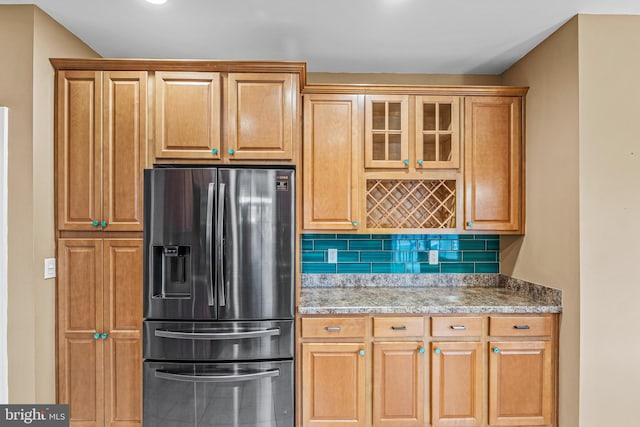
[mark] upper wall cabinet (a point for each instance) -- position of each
(101, 149)
(386, 141)
(331, 163)
(493, 171)
(187, 115)
(261, 116)
(437, 132)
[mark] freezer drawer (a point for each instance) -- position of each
(218, 394)
(218, 341)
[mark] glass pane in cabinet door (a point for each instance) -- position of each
(445, 117)
(379, 151)
(395, 146)
(395, 116)
(379, 115)
(428, 116)
(429, 147)
(445, 147)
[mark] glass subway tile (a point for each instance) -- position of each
(364, 245)
(489, 256)
(354, 236)
(429, 268)
(487, 267)
(493, 245)
(449, 256)
(348, 256)
(306, 245)
(470, 245)
(354, 268)
(323, 245)
(312, 256)
(457, 267)
(318, 268)
(376, 256)
(387, 268)
(318, 236)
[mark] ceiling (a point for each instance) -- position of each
(405, 36)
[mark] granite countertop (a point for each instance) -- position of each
(495, 295)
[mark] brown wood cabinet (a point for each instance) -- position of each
(99, 331)
(371, 370)
(333, 384)
(386, 140)
(398, 384)
(331, 162)
(187, 115)
(261, 116)
(493, 169)
(101, 149)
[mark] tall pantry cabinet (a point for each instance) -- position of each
(101, 143)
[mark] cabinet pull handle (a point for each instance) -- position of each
(420, 162)
(96, 336)
(214, 150)
(95, 223)
(104, 336)
(231, 151)
(333, 328)
(406, 161)
(361, 352)
(421, 350)
(469, 223)
(437, 350)
(496, 350)
(399, 328)
(355, 223)
(103, 224)
(458, 327)
(521, 327)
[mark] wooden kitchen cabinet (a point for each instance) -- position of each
(331, 161)
(187, 115)
(101, 149)
(521, 371)
(437, 132)
(261, 113)
(333, 384)
(386, 140)
(99, 331)
(398, 384)
(493, 169)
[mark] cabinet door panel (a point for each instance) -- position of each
(386, 140)
(123, 347)
(493, 181)
(80, 373)
(456, 384)
(187, 115)
(79, 149)
(520, 377)
(333, 385)
(125, 142)
(261, 115)
(398, 384)
(332, 138)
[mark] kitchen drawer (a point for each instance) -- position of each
(398, 326)
(443, 326)
(334, 327)
(520, 326)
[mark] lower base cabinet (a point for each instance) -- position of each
(99, 320)
(456, 384)
(484, 371)
(398, 384)
(333, 383)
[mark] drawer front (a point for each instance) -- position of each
(334, 327)
(398, 326)
(520, 326)
(442, 326)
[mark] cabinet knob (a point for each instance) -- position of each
(96, 336)
(496, 350)
(361, 352)
(231, 151)
(469, 223)
(406, 161)
(355, 223)
(437, 350)
(103, 224)
(420, 162)
(104, 336)
(421, 350)
(214, 150)
(95, 223)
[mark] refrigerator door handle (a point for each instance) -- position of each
(220, 247)
(216, 335)
(217, 378)
(208, 234)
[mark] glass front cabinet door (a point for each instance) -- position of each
(437, 132)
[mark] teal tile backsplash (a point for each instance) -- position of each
(401, 253)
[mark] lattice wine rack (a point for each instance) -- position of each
(395, 203)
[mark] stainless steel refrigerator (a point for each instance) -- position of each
(218, 339)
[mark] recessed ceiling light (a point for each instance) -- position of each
(157, 1)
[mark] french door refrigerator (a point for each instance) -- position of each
(218, 338)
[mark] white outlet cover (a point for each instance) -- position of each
(332, 256)
(433, 257)
(49, 268)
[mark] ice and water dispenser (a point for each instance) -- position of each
(172, 271)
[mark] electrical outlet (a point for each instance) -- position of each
(332, 256)
(433, 257)
(49, 268)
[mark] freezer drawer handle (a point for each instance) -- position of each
(217, 378)
(216, 335)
